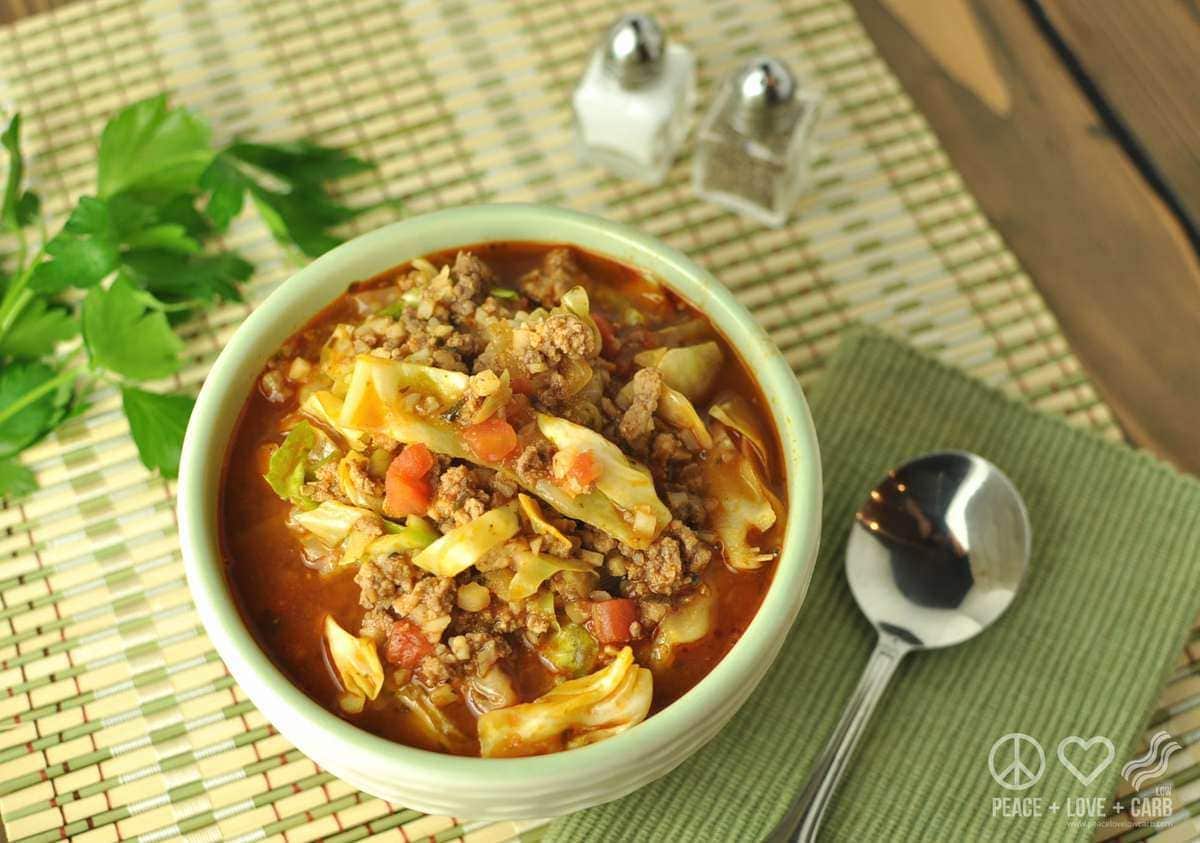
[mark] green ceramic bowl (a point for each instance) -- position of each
(476, 787)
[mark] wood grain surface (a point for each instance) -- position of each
(1144, 60)
(11, 10)
(1103, 248)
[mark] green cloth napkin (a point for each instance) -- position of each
(1110, 594)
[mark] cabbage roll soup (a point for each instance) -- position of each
(504, 500)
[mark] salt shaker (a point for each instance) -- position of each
(754, 143)
(633, 105)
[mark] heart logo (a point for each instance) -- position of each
(1086, 746)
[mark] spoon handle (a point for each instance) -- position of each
(800, 823)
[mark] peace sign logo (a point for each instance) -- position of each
(1012, 761)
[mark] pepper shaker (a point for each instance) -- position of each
(634, 101)
(754, 142)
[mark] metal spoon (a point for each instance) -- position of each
(936, 554)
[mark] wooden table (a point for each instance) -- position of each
(1076, 124)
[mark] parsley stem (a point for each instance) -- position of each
(18, 295)
(38, 391)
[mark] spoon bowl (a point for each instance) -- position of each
(938, 549)
(936, 553)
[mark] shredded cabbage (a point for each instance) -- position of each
(491, 691)
(690, 330)
(691, 621)
(285, 471)
(345, 475)
(463, 546)
(356, 661)
(533, 514)
(576, 712)
(736, 413)
(744, 501)
(690, 369)
(353, 548)
(326, 408)
(437, 726)
(377, 382)
(533, 569)
(416, 534)
(575, 301)
(330, 522)
(676, 409)
(625, 483)
(373, 404)
(368, 410)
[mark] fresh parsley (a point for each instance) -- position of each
(97, 303)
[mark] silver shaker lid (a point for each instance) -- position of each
(633, 49)
(761, 89)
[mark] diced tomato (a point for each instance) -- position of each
(408, 487)
(414, 461)
(585, 468)
(522, 385)
(407, 644)
(608, 334)
(492, 440)
(611, 620)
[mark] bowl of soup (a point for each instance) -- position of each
(500, 511)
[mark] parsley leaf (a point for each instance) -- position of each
(172, 277)
(126, 336)
(143, 250)
(16, 480)
(302, 213)
(22, 426)
(18, 209)
(300, 162)
(38, 329)
(148, 145)
(83, 253)
(227, 191)
(157, 422)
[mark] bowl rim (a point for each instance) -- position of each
(326, 278)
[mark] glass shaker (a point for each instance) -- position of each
(754, 145)
(633, 104)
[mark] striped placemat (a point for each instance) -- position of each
(117, 719)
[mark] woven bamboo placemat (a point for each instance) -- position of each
(117, 719)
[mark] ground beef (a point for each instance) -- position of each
(651, 611)
(326, 486)
(558, 273)
(638, 421)
(554, 343)
(472, 276)
(656, 570)
(666, 448)
(460, 497)
(384, 579)
(434, 669)
(696, 553)
(534, 463)
(687, 506)
(376, 624)
(428, 605)
(596, 540)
